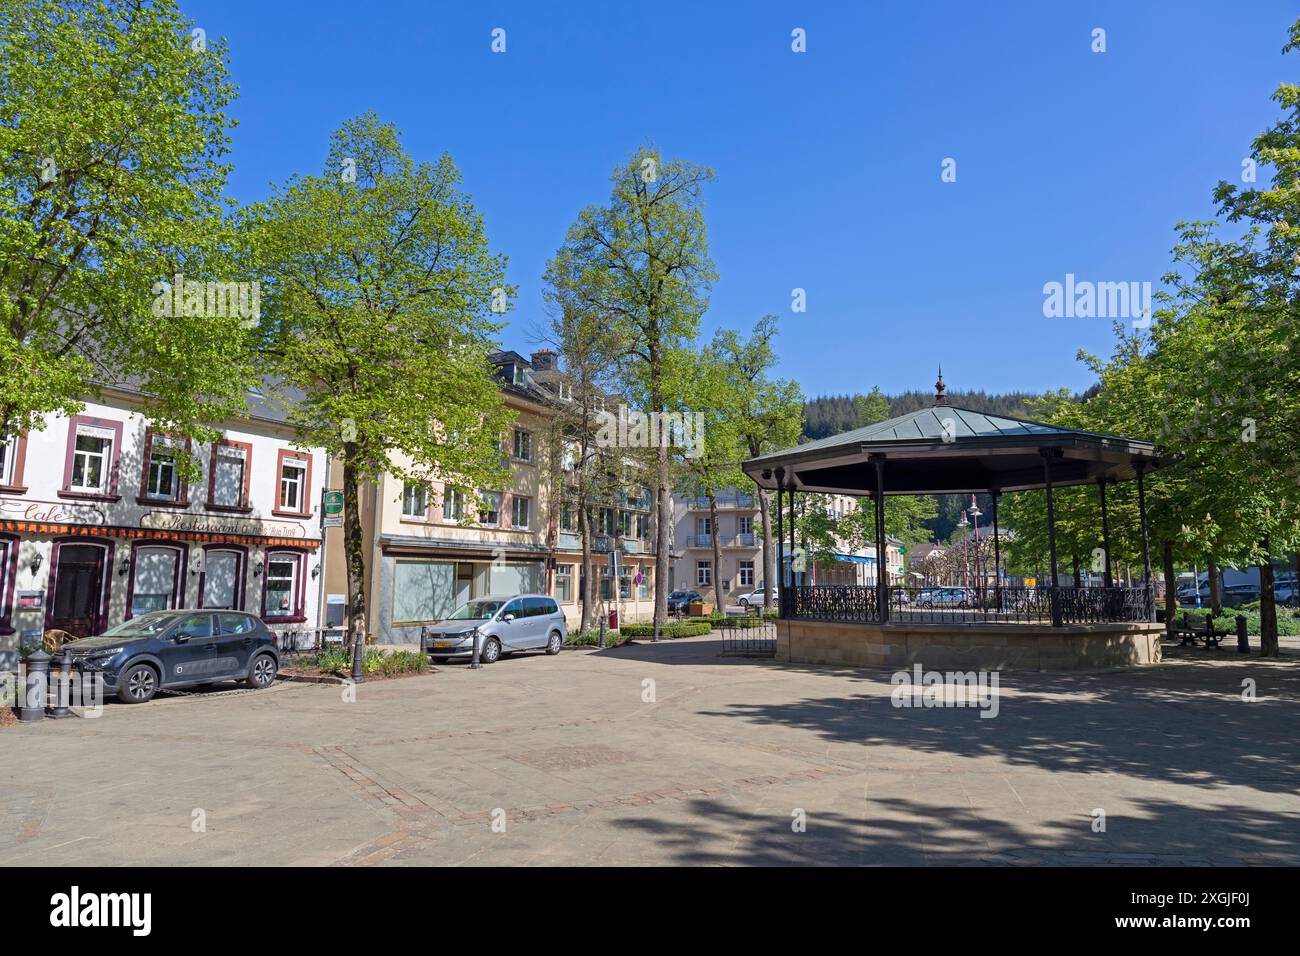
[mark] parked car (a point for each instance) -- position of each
(504, 624)
(1235, 595)
(1187, 594)
(755, 598)
(165, 650)
(1285, 592)
(948, 597)
(680, 601)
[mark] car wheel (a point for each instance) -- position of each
(137, 684)
(744, 604)
(490, 651)
(553, 643)
(262, 672)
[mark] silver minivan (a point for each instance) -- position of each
(505, 623)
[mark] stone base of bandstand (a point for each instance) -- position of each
(969, 646)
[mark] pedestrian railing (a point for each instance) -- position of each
(982, 605)
(746, 637)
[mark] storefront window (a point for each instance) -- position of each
(564, 583)
(283, 571)
(221, 575)
(154, 579)
(423, 591)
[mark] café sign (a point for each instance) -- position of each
(217, 524)
(50, 512)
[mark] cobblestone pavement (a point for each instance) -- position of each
(669, 754)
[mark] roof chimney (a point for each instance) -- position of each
(544, 360)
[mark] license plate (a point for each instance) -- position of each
(442, 644)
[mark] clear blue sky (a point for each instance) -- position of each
(827, 162)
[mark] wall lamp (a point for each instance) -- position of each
(35, 563)
(124, 567)
(257, 568)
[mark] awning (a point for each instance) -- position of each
(54, 529)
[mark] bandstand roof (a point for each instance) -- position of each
(947, 449)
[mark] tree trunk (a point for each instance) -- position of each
(1078, 576)
(1171, 590)
(765, 517)
(584, 525)
(1216, 586)
(664, 514)
(354, 553)
(717, 553)
(1268, 646)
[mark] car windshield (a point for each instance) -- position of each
(678, 594)
(151, 623)
(476, 610)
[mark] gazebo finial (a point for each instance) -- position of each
(939, 388)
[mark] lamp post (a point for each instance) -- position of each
(965, 551)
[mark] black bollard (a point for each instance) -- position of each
(474, 661)
(602, 632)
(63, 688)
(1243, 642)
(35, 687)
(424, 640)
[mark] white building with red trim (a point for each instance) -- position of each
(97, 524)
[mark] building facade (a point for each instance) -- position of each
(97, 523)
(430, 548)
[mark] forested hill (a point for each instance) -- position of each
(832, 414)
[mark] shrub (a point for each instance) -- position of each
(404, 662)
(1288, 625)
(333, 662)
(678, 629)
(591, 638)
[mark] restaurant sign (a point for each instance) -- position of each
(217, 524)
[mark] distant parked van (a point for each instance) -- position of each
(504, 624)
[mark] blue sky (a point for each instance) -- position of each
(828, 162)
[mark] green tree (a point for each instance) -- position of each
(112, 133)
(641, 262)
(768, 415)
(381, 284)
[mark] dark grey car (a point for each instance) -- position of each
(164, 650)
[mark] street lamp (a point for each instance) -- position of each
(965, 551)
(979, 578)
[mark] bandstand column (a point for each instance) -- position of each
(1140, 467)
(782, 604)
(882, 571)
(997, 553)
(1107, 578)
(1051, 534)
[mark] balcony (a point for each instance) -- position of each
(699, 541)
(744, 539)
(725, 503)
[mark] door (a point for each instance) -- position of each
(78, 590)
(539, 620)
(514, 633)
(222, 573)
(190, 651)
(234, 644)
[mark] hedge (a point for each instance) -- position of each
(678, 629)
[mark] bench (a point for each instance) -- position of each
(1187, 633)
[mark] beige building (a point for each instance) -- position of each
(429, 549)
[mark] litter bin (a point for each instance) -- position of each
(613, 620)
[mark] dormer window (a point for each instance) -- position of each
(566, 391)
(521, 375)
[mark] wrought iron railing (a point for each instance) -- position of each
(986, 605)
(832, 602)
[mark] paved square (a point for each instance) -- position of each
(712, 770)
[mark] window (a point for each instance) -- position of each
(745, 525)
(639, 527)
(625, 523)
(415, 500)
(520, 375)
(236, 623)
(490, 510)
(283, 594)
(92, 457)
(8, 571)
(197, 625)
(703, 572)
(702, 529)
(228, 482)
(643, 586)
(564, 583)
(567, 522)
(523, 445)
(161, 480)
(453, 504)
(155, 579)
(223, 572)
(606, 589)
(423, 591)
(521, 511)
(293, 484)
(606, 521)
(566, 392)
(746, 574)
(8, 461)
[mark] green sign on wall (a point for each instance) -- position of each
(331, 509)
